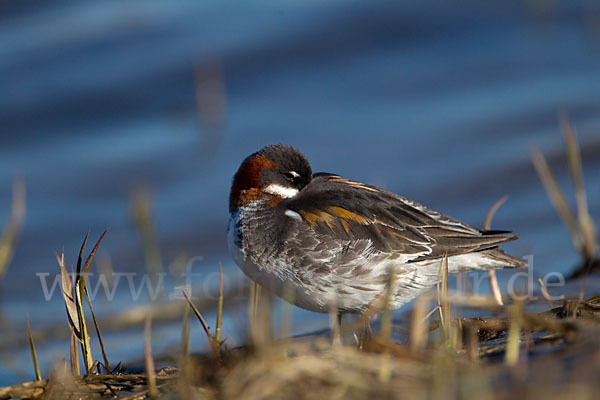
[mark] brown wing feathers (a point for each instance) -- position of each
(351, 210)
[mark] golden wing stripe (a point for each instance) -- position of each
(355, 184)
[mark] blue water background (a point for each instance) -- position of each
(440, 101)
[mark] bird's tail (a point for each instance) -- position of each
(490, 258)
(501, 259)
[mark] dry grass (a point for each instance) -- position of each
(581, 227)
(36, 365)
(11, 231)
(451, 357)
(312, 367)
(74, 291)
(487, 224)
(141, 216)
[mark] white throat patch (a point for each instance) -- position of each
(281, 191)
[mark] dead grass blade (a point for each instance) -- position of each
(149, 361)
(417, 337)
(74, 353)
(219, 307)
(86, 349)
(442, 296)
(487, 225)
(582, 230)
(82, 273)
(586, 224)
(430, 313)
(141, 215)
(495, 287)
(471, 340)
(439, 292)
(385, 372)
(78, 297)
(106, 363)
(13, 227)
(251, 303)
(386, 316)
(256, 299)
(184, 362)
(556, 197)
(68, 295)
(81, 250)
(185, 331)
(511, 356)
(545, 293)
(36, 365)
(199, 316)
(445, 304)
(88, 262)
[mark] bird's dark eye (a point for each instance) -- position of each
(291, 176)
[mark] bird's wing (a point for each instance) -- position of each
(348, 210)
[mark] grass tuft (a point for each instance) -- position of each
(36, 365)
(73, 295)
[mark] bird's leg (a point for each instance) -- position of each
(368, 329)
(336, 328)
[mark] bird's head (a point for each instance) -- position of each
(275, 172)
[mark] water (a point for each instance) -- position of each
(439, 101)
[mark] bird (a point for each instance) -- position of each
(322, 241)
